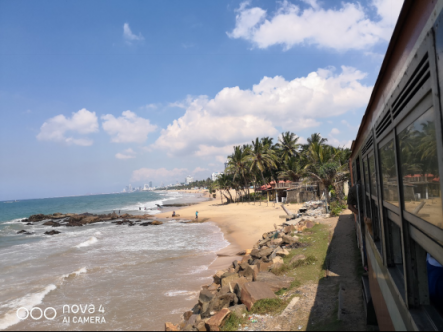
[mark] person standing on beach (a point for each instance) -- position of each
(196, 214)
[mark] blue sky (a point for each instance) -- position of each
(95, 95)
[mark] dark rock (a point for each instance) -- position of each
(241, 253)
(52, 233)
(21, 232)
(29, 224)
(37, 217)
(24, 220)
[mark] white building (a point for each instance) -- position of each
(215, 175)
(189, 179)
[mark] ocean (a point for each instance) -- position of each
(102, 276)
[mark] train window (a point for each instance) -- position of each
(389, 173)
(365, 166)
(419, 165)
(373, 175)
(395, 258)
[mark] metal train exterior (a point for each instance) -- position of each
(397, 164)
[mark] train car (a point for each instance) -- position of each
(396, 166)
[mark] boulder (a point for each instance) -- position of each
(52, 233)
(205, 298)
(274, 282)
(51, 223)
(218, 320)
(276, 242)
(29, 224)
(201, 326)
(90, 220)
(225, 290)
(245, 259)
(263, 242)
(255, 291)
(231, 279)
(156, 222)
(241, 253)
(289, 229)
(282, 253)
(187, 315)
(266, 252)
(255, 253)
(213, 287)
(24, 220)
(37, 217)
(297, 258)
(277, 262)
(274, 253)
(289, 239)
(22, 231)
(238, 310)
(217, 276)
(171, 327)
(220, 302)
(264, 267)
(250, 273)
(231, 270)
(238, 286)
(265, 236)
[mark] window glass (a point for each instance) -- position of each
(389, 173)
(365, 166)
(419, 165)
(373, 175)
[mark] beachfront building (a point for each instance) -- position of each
(290, 192)
(189, 179)
(215, 176)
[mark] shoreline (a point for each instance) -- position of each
(242, 224)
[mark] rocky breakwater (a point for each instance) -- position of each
(235, 290)
(84, 219)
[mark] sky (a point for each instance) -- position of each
(97, 95)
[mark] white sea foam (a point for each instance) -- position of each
(180, 293)
(75, 273)
(97, 233)
(198, 269)
(28, 301)
(15, 221)
(91, 241)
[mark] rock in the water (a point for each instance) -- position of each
(218, 320)
(21, 232)
(24, 220)
(171, 327)
(52, 233)
(37, 217)
(90, 220)
(29, 224)
(297, 258)
(156, 222)
(52, 223)
(274, 282)
(255, 291)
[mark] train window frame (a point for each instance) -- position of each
(416, 112)
(382, 143)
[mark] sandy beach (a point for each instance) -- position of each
(241, 223)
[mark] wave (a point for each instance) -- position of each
(14, 221)
(91, 241)
(28, 301)
(31, 300)
(181, 293)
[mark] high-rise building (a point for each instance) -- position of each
(150, 184)
(189, 179)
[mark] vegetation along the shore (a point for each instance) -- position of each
(263, 161)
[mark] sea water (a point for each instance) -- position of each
(102, 276)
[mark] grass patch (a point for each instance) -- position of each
(269, 306)
(337, 207)
(233, 323)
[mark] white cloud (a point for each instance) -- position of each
(82, 122)
(335, 131)
(199, 170)
(129, 36)
(150, 106)
(348, 27)
(128, 128)
(349, 126)
(143, 174)
(127, 154)
(210, 127)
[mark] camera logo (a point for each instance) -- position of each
(23, 313)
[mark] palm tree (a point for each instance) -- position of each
(292, 169)
(261, 157)
(288, 146)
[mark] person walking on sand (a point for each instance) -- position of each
(196, 214)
